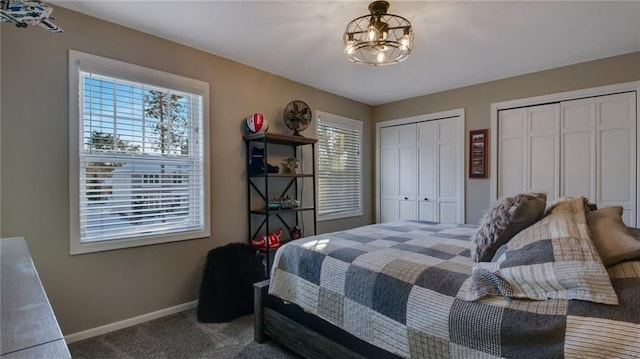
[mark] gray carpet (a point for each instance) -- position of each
(181, 336)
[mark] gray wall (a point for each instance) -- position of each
(90, 290)
(477, 100)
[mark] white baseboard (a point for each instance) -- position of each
(90, 333)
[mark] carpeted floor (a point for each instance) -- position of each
(181, 336)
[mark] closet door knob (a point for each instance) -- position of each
(426, 199)
(406, 198)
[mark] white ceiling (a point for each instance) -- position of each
(456, 43)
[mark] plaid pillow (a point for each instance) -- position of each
(553, 258)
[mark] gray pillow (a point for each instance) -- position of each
(508, 217)
(611, 236)
(553, 258)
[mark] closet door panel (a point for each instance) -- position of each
(542, 135)
(616, 123)
(542, 166)
(616, 111)
(408, 172)
(511, 171)
(407, 151)
(448, 171)
(616, 175)
(578, 167)
(513, 123)
(448, 212)
(615, 168)
(512, 129)
(578, 149)
(407, 209)
(427, 169)
(448, 198)
(449, 174)
(448, 130)
(578, 115)
(543, 120)
(448, 160)
(389, 174)
(389, 210)
(427, 210)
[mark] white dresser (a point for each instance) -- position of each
(28, 327)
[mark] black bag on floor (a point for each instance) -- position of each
(226, 290)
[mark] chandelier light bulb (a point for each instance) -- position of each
(351, 48)
(371, 33)
(404, 43)
(378, 38)
(383, 29)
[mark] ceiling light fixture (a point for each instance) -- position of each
(378, 38)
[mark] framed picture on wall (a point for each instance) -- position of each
(478, 153)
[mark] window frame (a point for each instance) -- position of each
(349, 123)
(79, 61)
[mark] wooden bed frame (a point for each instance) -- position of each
(304, 333)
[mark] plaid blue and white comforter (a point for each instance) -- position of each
(398, 286)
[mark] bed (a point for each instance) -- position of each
(410, 289)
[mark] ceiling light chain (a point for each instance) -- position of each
(378, 38)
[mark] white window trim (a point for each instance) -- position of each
(79, 61)
(348, 122)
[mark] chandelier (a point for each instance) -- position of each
(378, 38)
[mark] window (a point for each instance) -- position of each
(339, 167)
(138, 155)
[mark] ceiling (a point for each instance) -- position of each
(457, 43)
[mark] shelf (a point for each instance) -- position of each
(278, 211)
(277, 138)
(259, 219)
(282, 242)
(283, 175)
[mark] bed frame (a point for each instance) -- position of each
(304, 333)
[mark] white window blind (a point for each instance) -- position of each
(141, 163)
(339, 167)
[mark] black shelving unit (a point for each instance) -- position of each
(291, 181)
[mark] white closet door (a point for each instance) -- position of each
(398, 174)
(599, 151)
(389, 174)
(439, 164)
(528, 148)
(449, 174)
(578, 140)
(616, 164)
(512, 140)
(543, 155)
(408, 173)
(427, 171)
